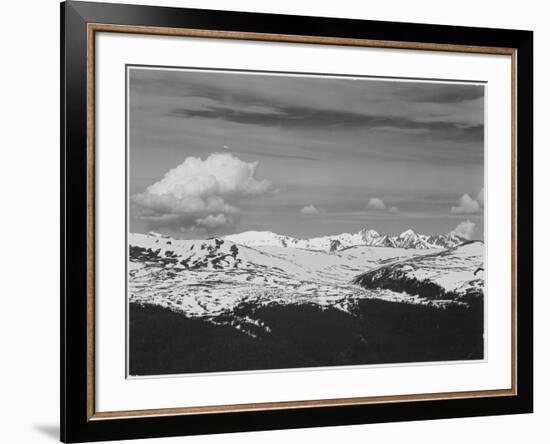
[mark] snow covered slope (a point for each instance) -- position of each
(268, 265)
(212, 278)
(456, 274)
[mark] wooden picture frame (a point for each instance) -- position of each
(80, 419)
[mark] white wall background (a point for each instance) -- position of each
(29, 233)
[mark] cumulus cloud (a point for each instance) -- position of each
(200, 194)
(309, 210)
(464, 229)
(481, 196)
(376, 203)
(466, 205)
(469, 205)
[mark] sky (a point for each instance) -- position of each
(218, 152)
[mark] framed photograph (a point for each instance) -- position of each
(276, 221)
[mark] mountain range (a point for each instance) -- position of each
(407, 239)
(210, 277)
(221, 305)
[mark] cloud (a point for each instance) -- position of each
(466, 205)
(275, 155)
(443, 93)
(217, 221)
(200, 194)
(375, 203)
(464, 229)
(314, 117)
(481, 196)
(309, 210)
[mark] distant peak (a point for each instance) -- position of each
(256, 232)
(369, 231)
(406, 233)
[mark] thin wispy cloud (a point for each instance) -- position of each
(448, 93)
(276, 155)
(299, 102)
(301, 117)
(248, 89)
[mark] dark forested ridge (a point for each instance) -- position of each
(304, 335)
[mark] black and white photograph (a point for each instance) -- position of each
(297, 221)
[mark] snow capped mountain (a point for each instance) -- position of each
(407, 239)
(446, 240)
(410, 239)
